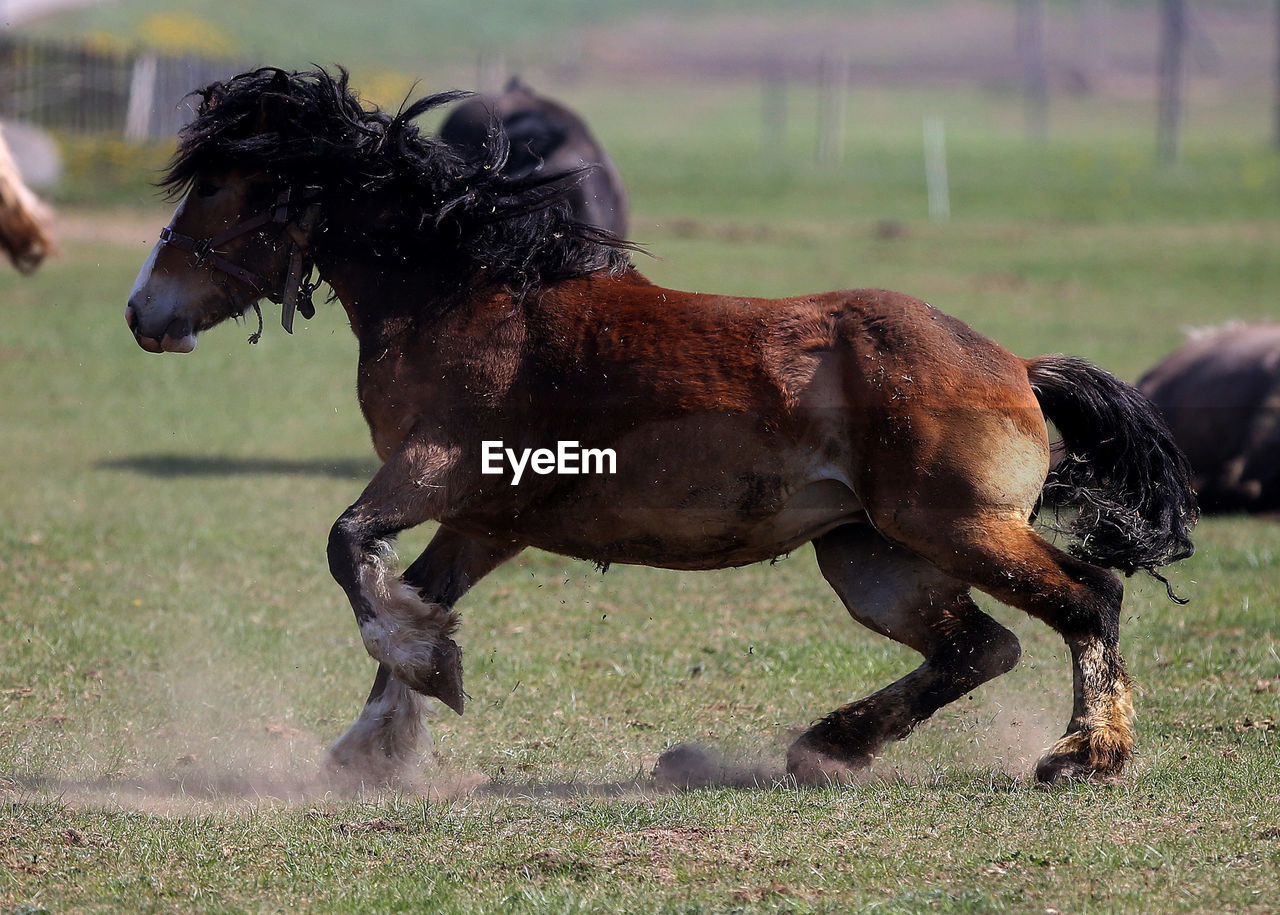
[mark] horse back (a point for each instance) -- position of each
(875, 360)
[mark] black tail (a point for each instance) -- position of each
(1127, 481)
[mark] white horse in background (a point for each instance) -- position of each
(26, 233)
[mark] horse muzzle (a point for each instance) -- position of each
(177, 336)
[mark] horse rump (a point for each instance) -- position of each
(1120, 470)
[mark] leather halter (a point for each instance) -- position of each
(292, 296)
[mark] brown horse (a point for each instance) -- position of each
(545, 138)
(494, 331)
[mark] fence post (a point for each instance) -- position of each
(142, 97)
(773, 110)
(1093, 43)
(833, 90)
(1173, 40)
(1276, 65)
(935, 169)
(1035, 75)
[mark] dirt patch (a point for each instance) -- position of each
(118, 227)
(688, 766)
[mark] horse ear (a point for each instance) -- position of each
(210, 97)
(273, 101)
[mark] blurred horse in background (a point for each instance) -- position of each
(546, 140)
(26, 233)
(1220, 395)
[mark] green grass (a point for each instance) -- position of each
(176, 657)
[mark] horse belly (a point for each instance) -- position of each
(689, 496)
(694, 538)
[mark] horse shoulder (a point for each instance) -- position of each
(428, 377)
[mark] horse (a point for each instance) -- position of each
(1220, 396)
(26, 235)
(545, 138)
(910, 450)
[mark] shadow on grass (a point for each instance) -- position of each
(227, 787)
(188, 465)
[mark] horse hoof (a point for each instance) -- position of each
(812, 767)
(369, 757)
(1082, 757)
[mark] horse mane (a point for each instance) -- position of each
(429, 205)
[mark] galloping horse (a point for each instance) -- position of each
(545, 138)
(911, 450)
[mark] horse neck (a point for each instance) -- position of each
(400, 305)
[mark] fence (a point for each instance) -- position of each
(74, 87)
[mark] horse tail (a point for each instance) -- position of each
(1122, 473)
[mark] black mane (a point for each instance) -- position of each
(427, 205)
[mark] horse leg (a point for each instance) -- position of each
(384, 738)
(897, 594)
(406, 621)
(1001, 554)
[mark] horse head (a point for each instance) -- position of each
(267, 146)
(233, 240)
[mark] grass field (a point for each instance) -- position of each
(176, 657)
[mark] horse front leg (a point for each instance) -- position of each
(383, 741)
(406, 622)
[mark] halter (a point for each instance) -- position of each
(295, 295)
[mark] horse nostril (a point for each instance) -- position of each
(131, 316)
(178, 328)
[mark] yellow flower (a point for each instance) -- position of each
(179, 31)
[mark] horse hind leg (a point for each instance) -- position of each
(896, 593)
(1002, 555)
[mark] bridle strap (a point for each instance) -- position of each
(202, 248)
(278, 214)
(293, 283)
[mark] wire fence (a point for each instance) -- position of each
(70, 86)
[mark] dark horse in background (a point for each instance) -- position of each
(1220, 395)
(546, 139)
(909, 449)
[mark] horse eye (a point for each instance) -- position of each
(205, 188)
